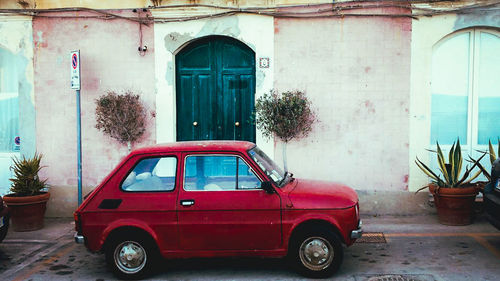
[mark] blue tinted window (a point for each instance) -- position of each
(152, 174)
(218, 173)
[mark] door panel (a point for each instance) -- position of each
(221, 206)
(228, 97)
(247, 129)
(215, 89)
(229, 220)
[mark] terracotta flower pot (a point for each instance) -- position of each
(455, 206)
(27, 212)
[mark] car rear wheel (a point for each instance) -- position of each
(131, 257)
(317, 253)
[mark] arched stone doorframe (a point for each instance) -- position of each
(257, 32)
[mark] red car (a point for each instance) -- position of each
(4, 219)
(213, 199)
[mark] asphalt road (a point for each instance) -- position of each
(414, 249)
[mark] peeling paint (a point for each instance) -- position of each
(221, 26)
(39, 35)
(259, 78)
(39, 41)
(369, 106)
(175, 40)
(484, 18)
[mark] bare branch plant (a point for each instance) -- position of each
(122, 117)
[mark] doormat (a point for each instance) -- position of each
(372, 237)
(395, 277)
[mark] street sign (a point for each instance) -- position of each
(75, 70)
(75, 84)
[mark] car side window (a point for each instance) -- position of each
(218, 173)
(246, 177)
(152, 174)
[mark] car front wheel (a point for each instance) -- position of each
(317, 253)
(131, 257)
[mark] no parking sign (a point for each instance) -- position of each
(75, 70)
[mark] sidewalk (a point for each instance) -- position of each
(411, 248)
(54, 229)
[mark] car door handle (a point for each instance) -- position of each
(186, 203)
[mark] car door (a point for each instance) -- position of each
(222, 207)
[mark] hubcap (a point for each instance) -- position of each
(130, 257)
(316, 253)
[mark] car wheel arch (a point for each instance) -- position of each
(115, 232)
(309, 224)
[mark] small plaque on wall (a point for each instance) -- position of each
(264, 62)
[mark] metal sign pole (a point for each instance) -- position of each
(75, 84)
(79, 146)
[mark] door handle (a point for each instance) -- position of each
(195, 123)
(237, 124)
(187, 203)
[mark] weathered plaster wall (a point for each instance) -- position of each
(356, 72)
(109, 61)
(16, 41)
(427, 32)
(254, 31)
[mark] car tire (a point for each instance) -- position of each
(5, 228)
(317, 253)
(132, 256)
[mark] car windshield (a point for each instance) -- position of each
(272, 170)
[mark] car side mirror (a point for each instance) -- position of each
(268, 187)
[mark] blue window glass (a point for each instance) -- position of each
(152, 174)
(489, 88)
(9, 102)
(218, 173)
(450, 86)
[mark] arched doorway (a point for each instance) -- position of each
(215, 90)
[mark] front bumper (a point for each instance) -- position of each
(357, 233)
(79, 239)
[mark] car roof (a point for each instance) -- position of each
(241, 146)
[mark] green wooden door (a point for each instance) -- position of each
(215, 82)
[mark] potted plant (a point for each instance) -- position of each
(493, 157)
(454, 194)
(27, 201)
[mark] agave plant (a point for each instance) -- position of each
(26, 181)
(451, 171)
(493, 157)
